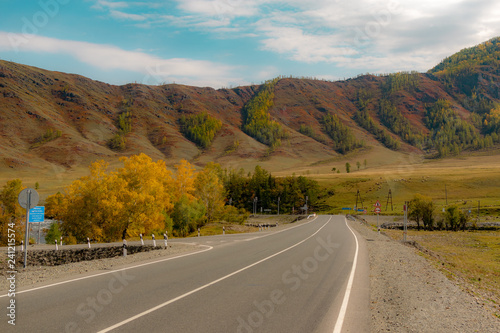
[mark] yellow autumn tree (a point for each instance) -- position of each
(11, 213)
(210, 190)
(53, 205)
(146, 196)
(107, 206)
(184, 181)
(81, 208)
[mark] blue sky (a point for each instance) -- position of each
(226, 43)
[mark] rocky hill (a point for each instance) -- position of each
(65, 120)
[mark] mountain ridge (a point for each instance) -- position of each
(58, 119)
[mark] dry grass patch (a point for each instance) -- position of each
(472, 259)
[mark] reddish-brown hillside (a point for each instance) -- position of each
(64, 120)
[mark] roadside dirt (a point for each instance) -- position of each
(407, 294)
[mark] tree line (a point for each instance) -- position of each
(307, 130)
(366, 121)
(395, 82)
(200, 128)
(124, 125)
(398, 124)
(267, 192)
(144, 196)
(449, 133)
(257, 121)
(343, 139)
(459, 71)
(363, 118)
(421, 209)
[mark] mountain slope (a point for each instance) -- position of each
(55, 119)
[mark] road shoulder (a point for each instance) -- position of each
(407, 294)
(35, 276)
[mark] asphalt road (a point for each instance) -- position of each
(298, 279)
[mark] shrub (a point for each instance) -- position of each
(53, 234)
(187, 215)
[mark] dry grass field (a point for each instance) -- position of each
(464, 181)
(471, 259)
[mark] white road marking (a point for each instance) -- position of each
(126, 321)
(277, 232)
(208, 248)
(140, 265)
(343, 308)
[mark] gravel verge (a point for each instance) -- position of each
(407, 294)
(35, 275)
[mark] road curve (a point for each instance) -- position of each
(298, 279)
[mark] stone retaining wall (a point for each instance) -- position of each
(66, 256)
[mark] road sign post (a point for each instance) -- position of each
(28, 198)
(37, 214)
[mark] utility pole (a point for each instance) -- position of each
(358, 198)
(389, 198)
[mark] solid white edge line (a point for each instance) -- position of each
(208, 248)
(343, 308)
(126, 321)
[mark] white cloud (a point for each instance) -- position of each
(362, 35)
(303, 47)
(102, 4)
(215, 24)
(367, 35)
(107, 57)
(376, 35)
(267, 73)
(125, 16)
(221, 8)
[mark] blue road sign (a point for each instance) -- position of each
(37, 214)
(346, 208)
